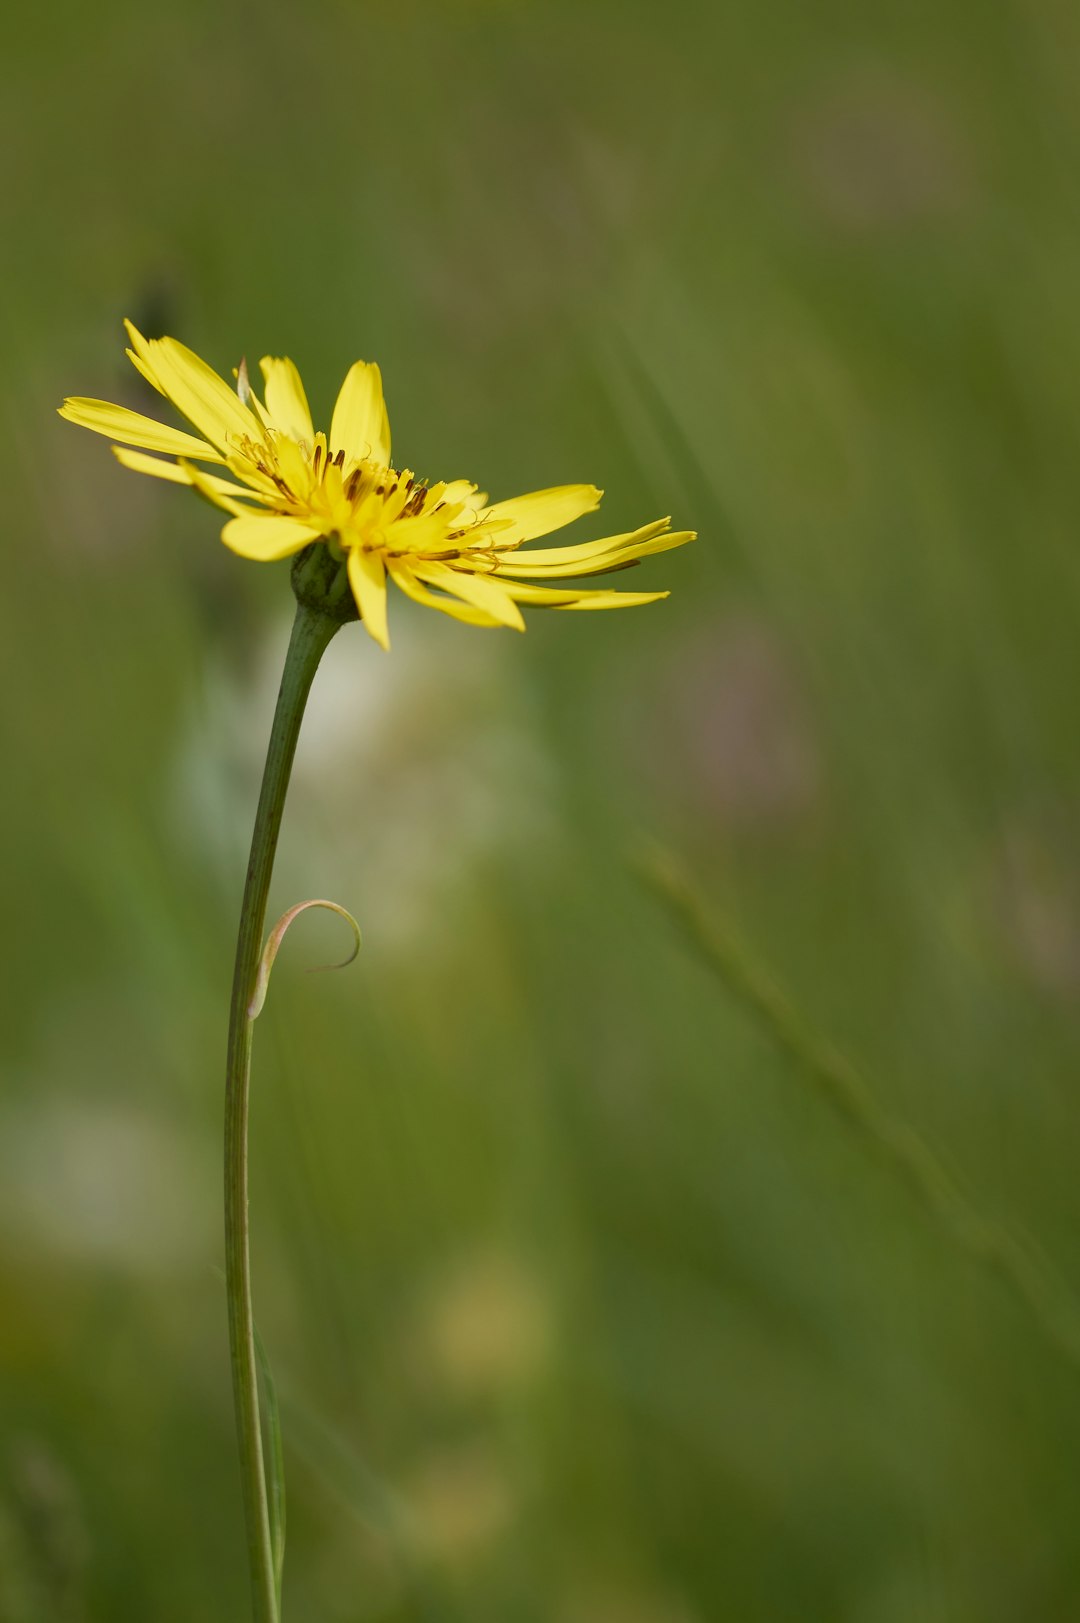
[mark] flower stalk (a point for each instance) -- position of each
(320, 611)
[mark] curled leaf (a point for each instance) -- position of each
(277, 936)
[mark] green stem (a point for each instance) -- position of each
(311, 634)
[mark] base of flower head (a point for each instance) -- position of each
(321, 582)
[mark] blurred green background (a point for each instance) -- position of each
(583, 1309)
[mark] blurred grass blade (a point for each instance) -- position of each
(329, 1456)
(275, 1458)
(655, 434)
(1030, 1276)
(377, 1505)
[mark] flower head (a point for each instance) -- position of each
(441, 544)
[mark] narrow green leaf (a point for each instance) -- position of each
(1031, 1277)
(275, 1461)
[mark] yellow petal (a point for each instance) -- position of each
(218, 491)
(286, 402)
(406, 580)
(132, 428)
(547, 597)
(367, 577)
(419, 533)
(542, 511)
(594, 557)
(294, 468)
(360, 426)
(463, 492)
(244, 468)
(611, 600)
(479, 590)
(139, 462)
(180, 474)
(394, 504)
(557, 556)
(141, 366)
(267, 536)
(196, 389)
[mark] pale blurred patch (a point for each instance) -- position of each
(44, 1542)
(330, 1592)
(730, 724)
(413, 769)
(104, 1184)
(486, 1325)
(462, 1502)
(1035, 887)
(875, 150)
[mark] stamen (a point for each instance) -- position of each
(482, 562)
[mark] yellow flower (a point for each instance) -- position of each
(442, 544)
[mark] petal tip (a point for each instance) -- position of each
(383, 641)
